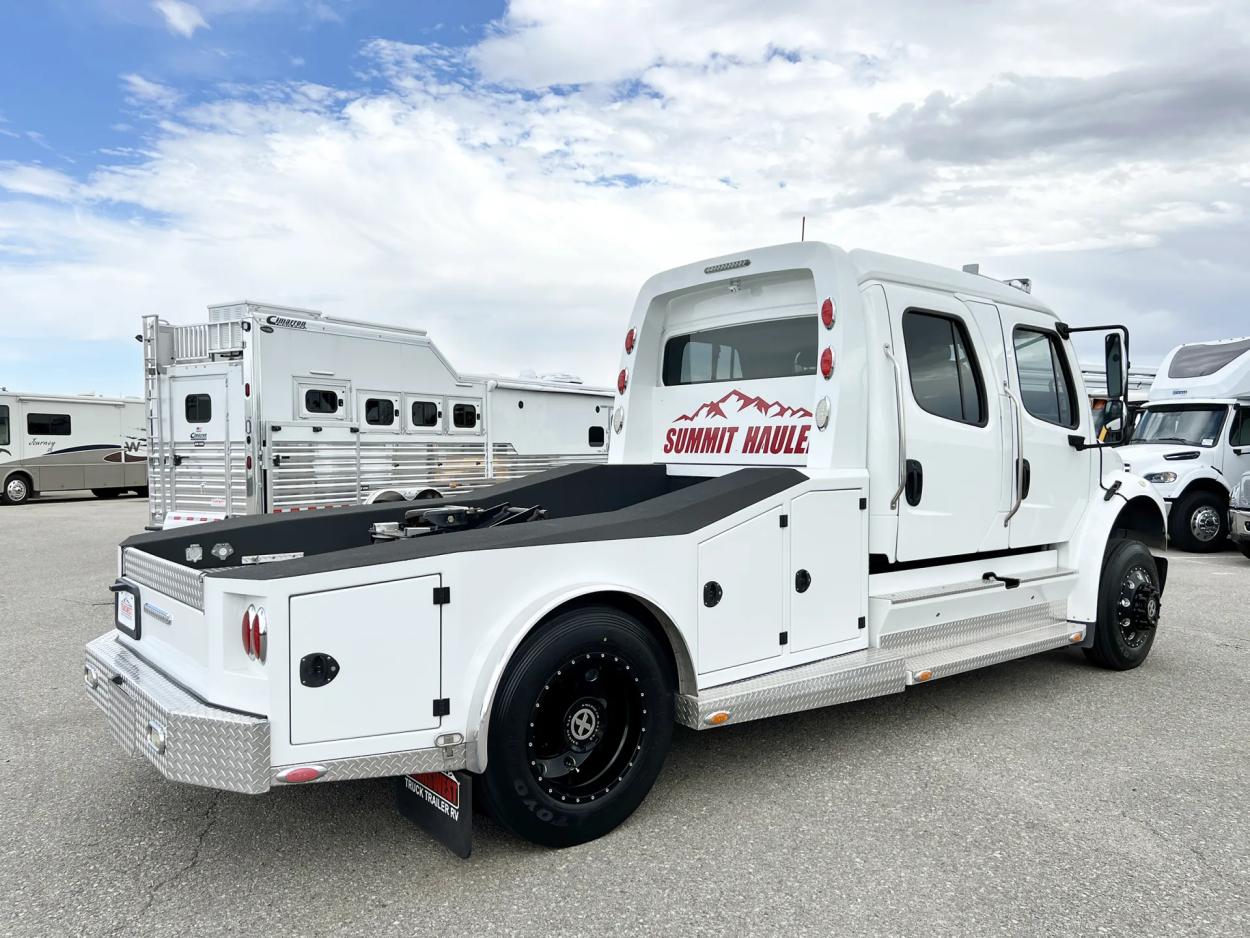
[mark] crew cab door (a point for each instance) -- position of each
(950, 366)
(1051, 484)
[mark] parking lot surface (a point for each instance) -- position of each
(1042, 796)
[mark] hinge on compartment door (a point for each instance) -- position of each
(785, 520)
(863, 504)
(442, 595)
(442, 707)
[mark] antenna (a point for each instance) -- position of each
(803, 229)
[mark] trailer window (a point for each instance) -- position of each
(4, 425)
(596, 436)
(778, 348)
(464, 416)
(424, 414)
(199, 408)
(1046, 388)
(47, 424)
(945, 379)
(321, 401)
(379, 411)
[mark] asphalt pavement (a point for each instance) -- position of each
(1041, 796)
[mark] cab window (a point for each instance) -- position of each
(1239, 435)
(778, 348)
(48, 424)
(1046, 387)
(945, 379)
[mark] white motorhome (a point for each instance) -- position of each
(267, 409)
(1192, 438)
(62, 442)
(829, 480)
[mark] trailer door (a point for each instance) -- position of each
(207, 444)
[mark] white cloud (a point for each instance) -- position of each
(180, 17)
(1103, 154)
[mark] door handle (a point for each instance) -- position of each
(277, 460)
(1027, 479)
(914, 485)
(177, 460)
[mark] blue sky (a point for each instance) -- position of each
(507, 175)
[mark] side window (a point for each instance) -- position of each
(1046, 387)
(379, 411)
(424, 414)
(945, 379)
(4, 424)
(199, 408)
(321, 401)
(1238, 436)
(596, 436)
(47, 424)
(464, 416)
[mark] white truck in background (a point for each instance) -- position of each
(66, 443)
(267, 409)
(1191, 439)
(834, 475)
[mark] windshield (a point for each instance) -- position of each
(1192, 425)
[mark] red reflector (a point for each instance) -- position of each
(247, 633)
(621, 381)
(256, 636)
(307, 773)
(249, 463)
(247, 389)
(826, 313)
(826, 362)
(630, 336)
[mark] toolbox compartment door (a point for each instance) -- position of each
(385, 642)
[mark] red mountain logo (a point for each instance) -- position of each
(736, 402)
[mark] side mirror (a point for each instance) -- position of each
(1117, 378)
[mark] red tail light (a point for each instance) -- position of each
(826, 363)
(622, 380)
(249, 464)
(248, 647)
(630, 336)
(826, 313)
(247, 389)
(259, 635)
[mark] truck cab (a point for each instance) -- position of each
(1191, 440)
(833, 475)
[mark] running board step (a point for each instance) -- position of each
(854, 676)
(979, 585)
(949, 661)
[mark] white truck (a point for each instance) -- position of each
(1191, 439)
(267, 409)
(827, 482)
(64, 442)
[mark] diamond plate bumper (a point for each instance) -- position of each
(209, 746)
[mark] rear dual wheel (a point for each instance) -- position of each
(579, 729)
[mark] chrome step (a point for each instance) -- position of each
(854, 676)
(959, 632)
(945, 662)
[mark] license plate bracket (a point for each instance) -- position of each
(127, 610)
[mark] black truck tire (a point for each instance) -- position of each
(1128, 607)
(580, 727)
(1198, 522)
(106, 493)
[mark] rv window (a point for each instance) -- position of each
(4, 425)
(945, 379)
(379, 411)
(199, 408)
(464, 416)
(1046, 388)
(778, 348)
(47, 424)
(596, 436)
(424, 414)
(1196, 361)
(321, 402)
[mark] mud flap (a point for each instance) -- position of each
(441, 804)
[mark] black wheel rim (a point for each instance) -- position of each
(1137, 607)
(586, 727)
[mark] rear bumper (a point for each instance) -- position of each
(205, 745)
(194, 742)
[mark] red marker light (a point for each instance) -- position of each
(826, 363)
(307, 773)
(247, 633)
(247, 389)
(630, 336)
(622, 381)
(249, 463)
(826, 313)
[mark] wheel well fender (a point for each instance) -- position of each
(645, 609)
(30, 481)
(1205, 483)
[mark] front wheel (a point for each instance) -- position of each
(16, 491)
(1128, 607)
(579, 729)
(1198, 522)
